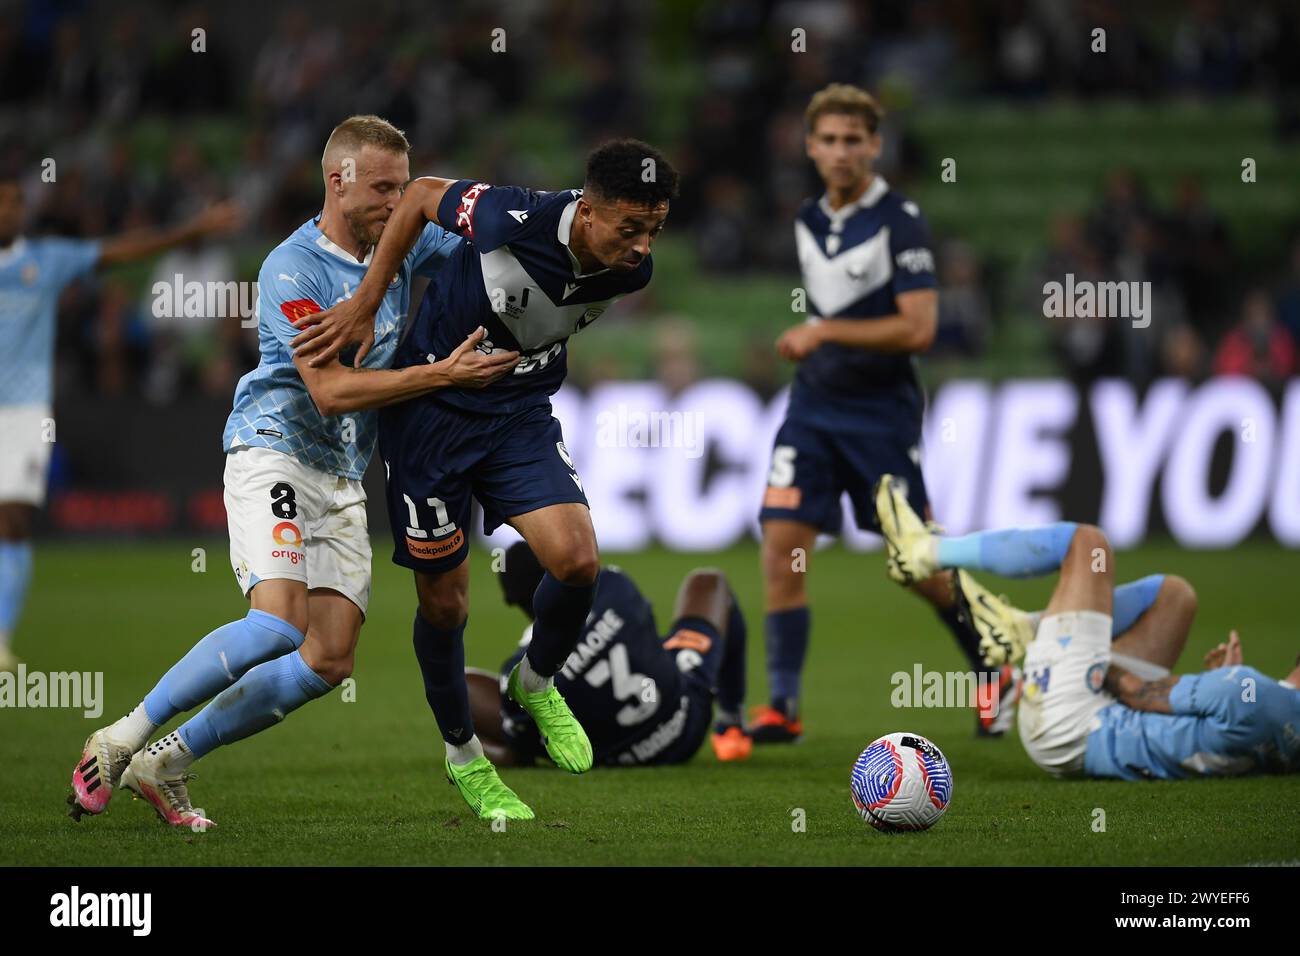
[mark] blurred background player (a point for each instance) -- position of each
(297, 444)
(536, 268)
(856, 404)
(33, 274)
(643, 699)
(1099, 700)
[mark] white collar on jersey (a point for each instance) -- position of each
(330, 246)
(16, 249)
(870, 196)
(562, 233)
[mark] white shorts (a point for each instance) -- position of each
(288, 520)
(1065, 668)
(27, 438)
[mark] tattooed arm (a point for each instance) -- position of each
(1132, 691)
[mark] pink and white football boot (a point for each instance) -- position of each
(97, 773)
(154, 775)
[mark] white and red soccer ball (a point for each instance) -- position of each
(901, 782)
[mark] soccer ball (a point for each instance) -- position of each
(901, 782)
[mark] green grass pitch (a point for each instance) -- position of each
(359, 782)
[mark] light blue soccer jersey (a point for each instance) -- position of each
(33, 272)
(273, 409)
(1230, 720)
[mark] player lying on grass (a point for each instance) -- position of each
(1099, 700)
(856, 402)
(297, 442)
(33, 274)
(643, 699)
(535, 269)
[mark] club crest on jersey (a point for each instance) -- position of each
(588, 317)
(465, 211)
(31, 271)
(1096, 676)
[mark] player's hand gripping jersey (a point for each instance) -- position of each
(517, 278)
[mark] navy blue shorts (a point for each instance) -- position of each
(812, 468)
(436, 456)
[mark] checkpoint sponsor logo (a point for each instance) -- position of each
(287, 535)
(428, 550)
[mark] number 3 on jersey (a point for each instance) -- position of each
(627, 686)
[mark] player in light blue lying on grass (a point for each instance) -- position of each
(1099, 698)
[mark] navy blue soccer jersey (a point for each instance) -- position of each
(625, 683)
(517, 278)
(855, 262)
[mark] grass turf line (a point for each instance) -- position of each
(360, 782)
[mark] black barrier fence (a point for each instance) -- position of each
(1208, 464)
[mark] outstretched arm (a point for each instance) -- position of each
(218, 218)
(353, 320)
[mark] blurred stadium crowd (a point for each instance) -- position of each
(145, 130)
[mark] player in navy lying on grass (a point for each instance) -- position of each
(535, 268)
(856, 403)
(643, 698)
(1099, 698)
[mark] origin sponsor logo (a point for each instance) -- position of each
(287, 533)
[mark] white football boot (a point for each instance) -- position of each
(154, 775)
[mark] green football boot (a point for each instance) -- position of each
(483, 790)
(563, 736)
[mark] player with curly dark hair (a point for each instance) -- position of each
(536, 268)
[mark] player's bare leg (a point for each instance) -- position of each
(564, 541)
(786, 556)
(16, 520)
(706, 594)
(1159, 635)
(1087, 576)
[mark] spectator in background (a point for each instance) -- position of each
(964, 312)
(677, 350)
(1183, 353)
(1288, 298)
(1087, 348)
(1258, 346)
(1200, 246)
